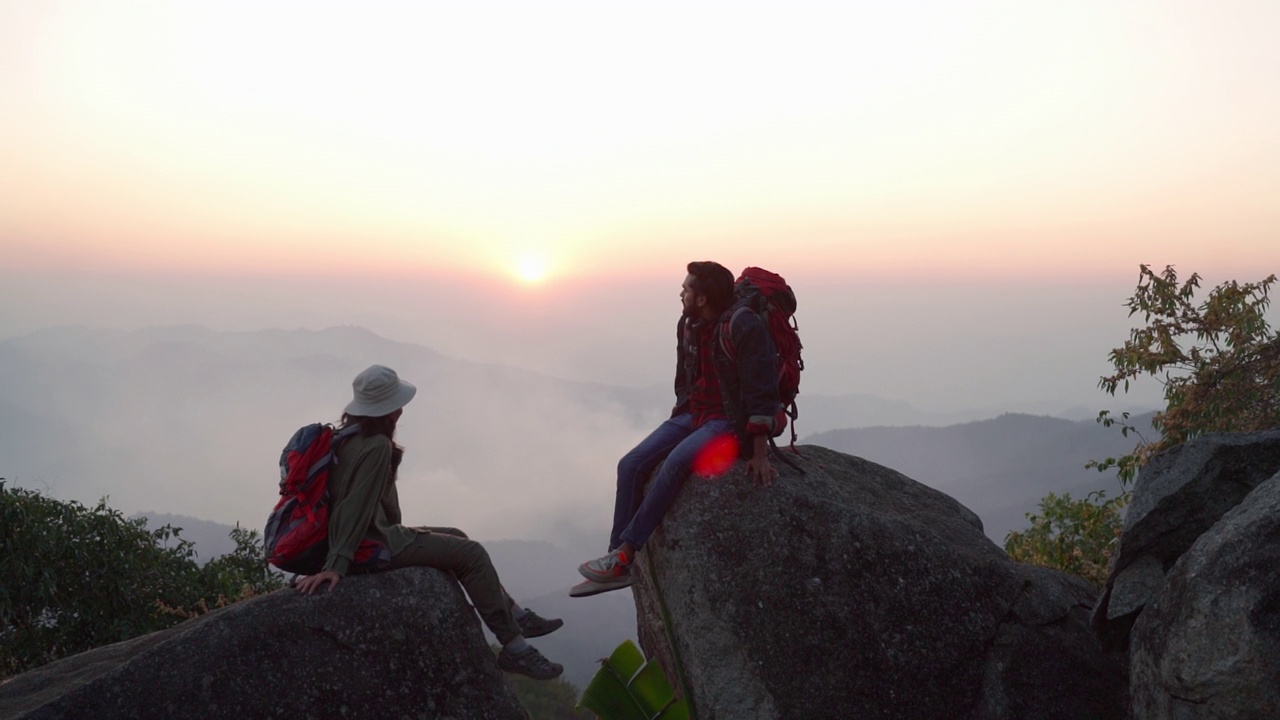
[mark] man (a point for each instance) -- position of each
(726, 388)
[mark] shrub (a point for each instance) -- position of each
(74, 577)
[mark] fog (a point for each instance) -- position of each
(192, 421)
(945, 345)
(176, 396)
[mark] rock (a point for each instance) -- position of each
(1179, 495)
(1208, 646)
(854, 591)
(401, 644)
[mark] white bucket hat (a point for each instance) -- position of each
(379, 391)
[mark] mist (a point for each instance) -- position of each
(944, 345)
(176, 395)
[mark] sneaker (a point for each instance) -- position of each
(607, 569)
(529, 663)
(587, 588)
(533, 625)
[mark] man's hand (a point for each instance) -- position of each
(312, 583)
(759, 469)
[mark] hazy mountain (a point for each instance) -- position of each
(999, 468)
(211, 538)
(190, 421)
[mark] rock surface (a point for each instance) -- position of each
(1208, 646)
(401, 644)
(1179, 495)
(854, 591)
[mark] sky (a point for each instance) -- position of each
(961, 192)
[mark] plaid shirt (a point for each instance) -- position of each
(697, 385)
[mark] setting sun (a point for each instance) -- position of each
(531, 269)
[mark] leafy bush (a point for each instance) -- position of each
(1218, 361)
(74, 577)
(1077, 536)
(1220, 366)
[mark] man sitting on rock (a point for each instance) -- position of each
(726, 397)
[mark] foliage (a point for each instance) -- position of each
(1218, 361)
(74, 577)
(1220, 367)
(1076, 536)
(628, 688)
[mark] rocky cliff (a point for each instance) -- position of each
(854, 591)
(1195, 592)
(401, 644)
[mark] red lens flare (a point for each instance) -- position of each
(716, 457)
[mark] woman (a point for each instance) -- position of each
(365, 503)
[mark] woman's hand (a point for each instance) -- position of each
(312, 583)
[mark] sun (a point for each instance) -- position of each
(531, 269)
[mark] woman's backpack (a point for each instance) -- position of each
(297, 532)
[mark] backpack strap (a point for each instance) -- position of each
(776, 452)
(726, 331)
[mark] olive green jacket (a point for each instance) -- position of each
(364, 500)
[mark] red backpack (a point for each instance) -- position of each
(773, 300)
(297, 532)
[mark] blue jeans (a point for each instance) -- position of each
(675, 444)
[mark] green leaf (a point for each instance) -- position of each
(628, 688)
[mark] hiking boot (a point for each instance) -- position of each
(529, 663)
(606, 570)
(533, 625)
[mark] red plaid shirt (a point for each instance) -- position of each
(705, 401)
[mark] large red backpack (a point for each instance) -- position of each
(297, 532)
(772, 299)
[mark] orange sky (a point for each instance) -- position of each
(570, 139)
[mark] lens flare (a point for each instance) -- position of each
(716, 457)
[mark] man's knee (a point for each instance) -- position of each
(473, 555)
(628, 467)
(451, 531)
(636, 465)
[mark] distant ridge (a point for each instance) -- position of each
(999, 468)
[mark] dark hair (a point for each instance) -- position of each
(382, 425)
(715, 281)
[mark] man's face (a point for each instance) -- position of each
(689, 300)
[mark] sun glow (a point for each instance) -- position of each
(531, 270)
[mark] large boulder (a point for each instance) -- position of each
(1179, 495)
(401, 644)
(854, 591)
(1208, 645)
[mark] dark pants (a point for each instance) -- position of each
(449, 549)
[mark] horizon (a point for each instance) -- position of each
(517, 146)
(960, 193)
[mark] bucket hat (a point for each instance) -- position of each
(379, 391)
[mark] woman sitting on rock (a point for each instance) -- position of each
(362, 490)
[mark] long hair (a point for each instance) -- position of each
(381, 425)
(715, 282)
